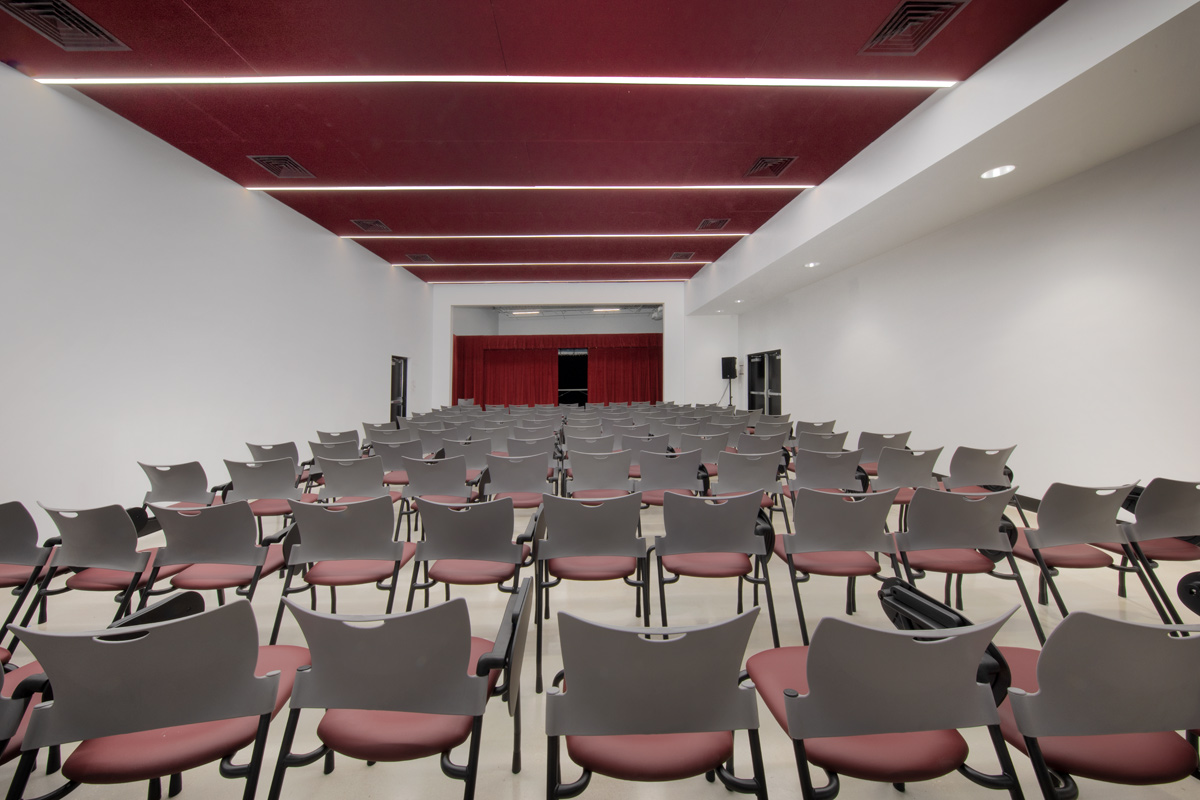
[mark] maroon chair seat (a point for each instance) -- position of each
(711, 466)
(12, 575)
(1069, 556)
(152, 754)
(635, 470)
(399, 735)
(522, 499)
(870, 467)
(767, 500)
(202, 577)
(397, 477)
(653, 757)
(95, 579)
(354, 572)
(957, 560)
(446, 499)
(592, 568)
(1134, 759)
(474, 572)
(708, 565)
(396, 498)
(598, 494)
(11, 681)
(654, 497)
(888, 758)
(275, 507)
(834, 563)
(1160, 550)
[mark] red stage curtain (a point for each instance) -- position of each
(524, 369)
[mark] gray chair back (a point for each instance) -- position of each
(905, 469)
(352, 477)
(1078, 515)
(474, 451)
(670, 471)
(827, 522)
(112, 682)
(568, 527)
(937, 669)
(598, 443)
(1098, 675)
(820, 470)
(224, 534)
(260, 480)
(872, 444)
(446, 476)
(971, 466)
(703, 525)
(800, 426)
(330, 437)
(619, 681)
(516, 474)
(476, 531)
(342, 449)
(820, 442)
(272, 452)
(710, 445)
(393, 453)
(1166, 508)
(97, 537)
(19, 536)
(758, 445)
(739, 473)
(177, 483)
(345, 532)
(940, 520)
(600, 471)
(418, 662)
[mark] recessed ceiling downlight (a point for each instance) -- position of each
(997, 172)
(812, 264)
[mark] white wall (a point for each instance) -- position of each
(687, 340)
(153, 310)
(475, 321)
(584, 323)
(1064, 323)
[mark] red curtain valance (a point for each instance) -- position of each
(622, 367)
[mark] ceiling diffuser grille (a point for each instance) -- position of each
(419, 258)
(63, 24)
(281, 166)
(911, 26)
(712, 224)
(770, 166)
(371, 225)
(682, 256)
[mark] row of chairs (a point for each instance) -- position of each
(632, 704)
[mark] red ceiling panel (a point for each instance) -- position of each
(522, 135)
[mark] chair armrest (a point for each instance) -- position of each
(531, 528)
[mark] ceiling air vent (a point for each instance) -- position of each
(682, 256)
(911, 26)
(419, 258)
(712, 224)
(770, 166)
(372, 225)
(281, 166)
(63, 24)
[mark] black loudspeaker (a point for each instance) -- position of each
(728, 368)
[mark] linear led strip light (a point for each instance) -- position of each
(714, 187)
(685, 235)
(579, 80)
(549, 263)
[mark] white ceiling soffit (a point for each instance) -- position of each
(1098, 78)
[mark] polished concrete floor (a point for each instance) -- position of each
(691, 601)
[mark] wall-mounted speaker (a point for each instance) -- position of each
(729, 367)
